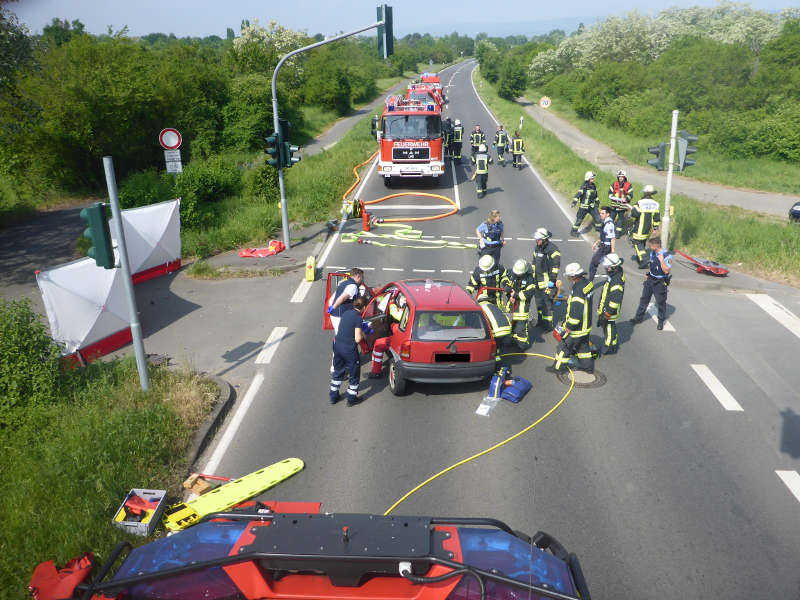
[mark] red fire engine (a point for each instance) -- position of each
(409, 133)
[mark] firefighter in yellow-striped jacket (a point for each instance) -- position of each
(573, 335)
(646, 220)
(611, 302)
(520, 286)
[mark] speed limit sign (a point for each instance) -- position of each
(544, 102)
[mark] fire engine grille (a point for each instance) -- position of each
(411, 153)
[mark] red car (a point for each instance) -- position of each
(441, 337)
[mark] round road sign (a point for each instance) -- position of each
(170, 139)
(544, 102)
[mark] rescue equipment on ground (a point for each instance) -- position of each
(558, 332)
(226, 496)
(706, 266)
(273, 248)
(49, 583)
(311, 268)
(140, 511)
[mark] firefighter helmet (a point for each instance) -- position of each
(520, 267)
(648, 189)
(458, 122)
(612, 261)
(482, 148)
(589, 175)
(486, 262)
(621, 173)
(573, 270)
(542, 234)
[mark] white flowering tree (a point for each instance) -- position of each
(258, 49)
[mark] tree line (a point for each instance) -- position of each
(68, 98)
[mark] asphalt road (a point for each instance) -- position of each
(663, 486)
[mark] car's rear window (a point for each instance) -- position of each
(447, 325)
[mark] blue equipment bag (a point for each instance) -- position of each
(517, 390)
(498, 380)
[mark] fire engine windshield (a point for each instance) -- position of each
(424, 127)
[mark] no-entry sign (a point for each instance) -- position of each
(170, 139)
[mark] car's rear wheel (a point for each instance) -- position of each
(397, 383)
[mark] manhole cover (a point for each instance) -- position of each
(583, 379)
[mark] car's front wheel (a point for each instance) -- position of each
(397, 382)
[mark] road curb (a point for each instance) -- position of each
(225, 400)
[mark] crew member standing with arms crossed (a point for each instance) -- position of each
(655, 284)
(607, 242)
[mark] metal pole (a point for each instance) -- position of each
(284, 210)
(136, 328)
(665, 219)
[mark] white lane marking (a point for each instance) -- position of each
(653, 311)
(556, 240)
(424, 270)
(471, 238)
(392, 269)
(455, 184)
(580, 239)
(301, 291)
(526, 239)
(337, 268)
(777, 311)
(236, 421)
(332, 242)
(525, 158)
(411, 207)
(331, 145)
(792, 481)
(367, 268)
(451, 237)
(452, 271)
(508, 239)
(271, 345)
(486, 406)
(427, 237)
(715, 385)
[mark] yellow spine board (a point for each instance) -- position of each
(182, 515)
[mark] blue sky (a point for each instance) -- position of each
(201, 17)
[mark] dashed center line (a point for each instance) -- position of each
(792, 481)
(715, 385)
(424, 270)
(777, 311)
(271, 345)
(653, 312)
(391, 269)
(452, 271)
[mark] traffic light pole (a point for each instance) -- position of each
(665, 220)
(284, 210)
(136, 328)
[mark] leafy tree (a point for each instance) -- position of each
(513, 77)
(15, 48)
(490, 60)
(59, 32)
(327, 82)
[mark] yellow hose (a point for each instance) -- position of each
(497, 445)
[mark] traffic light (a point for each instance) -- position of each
(274, 150)
(287, 148)
(385, 32)
(684, 149)
(661, 154)
(97, 231)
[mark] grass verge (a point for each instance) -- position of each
(751, 173)
(748, 241)
(66, 469)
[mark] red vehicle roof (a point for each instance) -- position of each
(440, 294)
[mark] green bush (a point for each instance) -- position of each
(15, 200)
(146, 187)
(202, 183)
(261, 184)
(29, 361)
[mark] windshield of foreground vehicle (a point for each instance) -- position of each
(445, 326)
(412, 126)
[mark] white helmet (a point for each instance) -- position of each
(486, 262)
(612, 260)
(520, 267)
(621, 173)
(573, 270)
(589, 175)
(542, 234)
(482, 148)
(648, 189)
(401, 301)
(458, 121)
